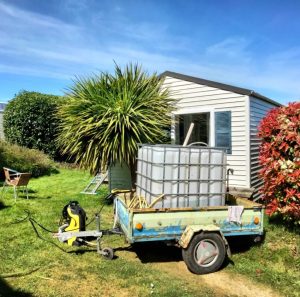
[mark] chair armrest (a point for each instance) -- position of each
(15, 174)
(9, 169)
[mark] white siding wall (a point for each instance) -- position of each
(258, 110)
(194, 98)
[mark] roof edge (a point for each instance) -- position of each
(218, 85)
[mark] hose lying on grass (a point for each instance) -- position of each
(25, 272)
(20, 273)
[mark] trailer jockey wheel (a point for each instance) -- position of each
(205, 253)
(107, 253)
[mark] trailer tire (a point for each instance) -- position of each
(205, 253)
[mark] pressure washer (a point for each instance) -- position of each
(73, 219)
(73, 229)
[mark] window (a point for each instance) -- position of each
(201, 127)
(223, 130)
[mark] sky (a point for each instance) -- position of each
(45, 45)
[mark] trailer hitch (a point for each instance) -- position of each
(85, 236)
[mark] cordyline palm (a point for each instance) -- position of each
(107, 116)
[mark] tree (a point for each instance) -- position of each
(30, 120)
(106, 116)
(280, 158)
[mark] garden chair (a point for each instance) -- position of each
(16, 180)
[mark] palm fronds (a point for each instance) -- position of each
(106, 116)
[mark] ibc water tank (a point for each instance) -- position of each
(187, 176)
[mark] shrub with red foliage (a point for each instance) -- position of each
(280, 159)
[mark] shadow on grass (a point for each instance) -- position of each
(36, 197)
(240, 244)
(160, 252)
(146, 252)
(30, 191)
(278, 221)
(80, 252)
(22, 196)
(157, 252)
(8, 193)
(7, 291)
(9, 189)
(3, 206)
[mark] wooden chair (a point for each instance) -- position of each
(16, 180)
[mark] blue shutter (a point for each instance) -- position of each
(223, 130)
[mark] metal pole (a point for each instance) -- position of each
(97, 217)
(188, 135)
(15, 193)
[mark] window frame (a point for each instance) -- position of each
(178, 130)
(211, 112)
(229, 149)
(212, 123)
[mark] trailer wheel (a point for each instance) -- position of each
(107, 253)
(205, 253)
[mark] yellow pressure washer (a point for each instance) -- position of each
(72, 231)
(74, 219)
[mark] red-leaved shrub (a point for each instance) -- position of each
(280, 159)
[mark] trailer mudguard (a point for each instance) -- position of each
(190, 230)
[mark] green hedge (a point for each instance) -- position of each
(25, 160)
(30, 120)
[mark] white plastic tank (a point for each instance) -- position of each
(187, 176)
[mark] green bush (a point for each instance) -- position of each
(25, 160)
(30, 120)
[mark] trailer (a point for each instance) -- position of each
(201, 233)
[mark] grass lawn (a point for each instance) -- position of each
(32, 267)
(47, 271)
(275, 262)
